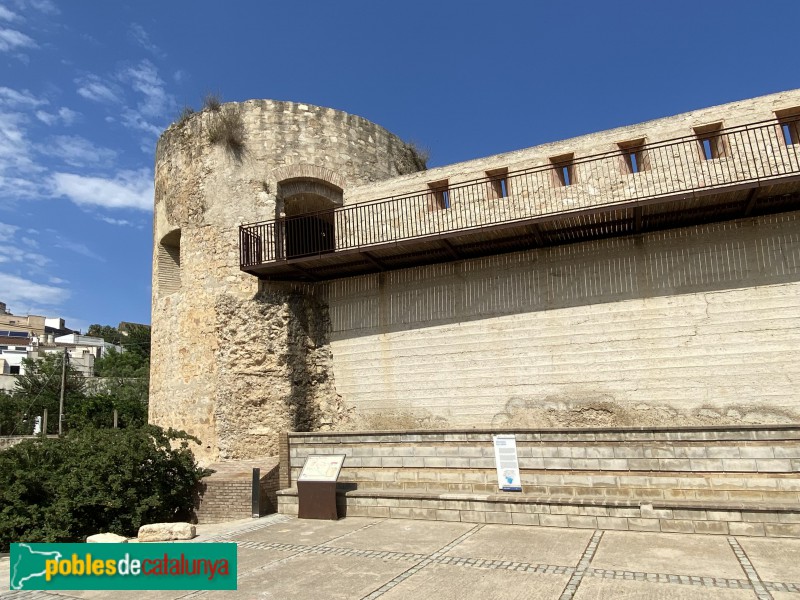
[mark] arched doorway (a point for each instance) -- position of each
(307, 216)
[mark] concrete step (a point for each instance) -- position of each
(713, 516)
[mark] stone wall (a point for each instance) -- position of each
(718, 480)
(696, 325)
(610, 178)
(234, 361)
(691, 326)
(227, 496)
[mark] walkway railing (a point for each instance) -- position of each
(757, 152)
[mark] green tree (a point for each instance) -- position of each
(122, 364)
(40, 387)
(11, 414)
(137, 340)
(126, 380)
(107, 332)
(93, 480)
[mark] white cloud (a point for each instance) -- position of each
(10, 250)
(11, 39)
(93, 88)
(45, 6)
(120, 222)
(140, 36)
(129, 189)
(143, 78)
(11, 97)
(57, 280)
(134, 120)
(15, 149)
(77, 151)
(21, 293)
(8, 15)
(7, 232)
(77, 247)
(64, 115)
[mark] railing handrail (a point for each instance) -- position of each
(690, 138)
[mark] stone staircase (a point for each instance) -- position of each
(738, 480)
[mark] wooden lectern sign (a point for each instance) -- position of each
(316, 486)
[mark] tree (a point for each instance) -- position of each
(107, 332)
(137, 340)
(95, 480)
(11, 414)
(40, 388)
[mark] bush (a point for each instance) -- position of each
(226, 128)
(212, 102)
(95, 480)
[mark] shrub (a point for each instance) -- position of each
(186, 112)
(95, 480)
(227, 129)
(212, 102)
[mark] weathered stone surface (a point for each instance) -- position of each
(166, 532)
(692, 326)
(235, 362)
(106, 538)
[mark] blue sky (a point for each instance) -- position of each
(86, 87)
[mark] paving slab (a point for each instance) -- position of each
(122, 595)
(401, 535)
(315, 577)
(604, 589)
(773, 559)
(445, 582)
(700, 555)
(305, 532)
(534, 545)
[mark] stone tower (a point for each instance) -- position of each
(235, 361)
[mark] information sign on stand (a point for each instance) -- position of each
(505, 456)
(316, 486)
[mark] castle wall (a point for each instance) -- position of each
(696, 325)
(687, 326)
(612, 180)
(234, 362)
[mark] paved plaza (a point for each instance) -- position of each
(362, 558)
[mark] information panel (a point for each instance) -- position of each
(505, 456)
(322, 467)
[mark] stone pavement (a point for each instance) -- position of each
(363, 558)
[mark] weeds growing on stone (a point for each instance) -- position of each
(212, 102)
(226, 128)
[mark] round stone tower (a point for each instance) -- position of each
(236, 361)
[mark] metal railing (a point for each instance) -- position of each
(745, 154)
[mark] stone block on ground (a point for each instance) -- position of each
(166, 532)
(106, 538)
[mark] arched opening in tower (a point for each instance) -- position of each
(308, 216)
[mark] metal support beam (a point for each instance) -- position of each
(374, 260)
(637, 219)
(304, 272)
(536, 234)
(752, 198)
(450, 249)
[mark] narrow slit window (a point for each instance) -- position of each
(441, 193)
(633, 155)
(708, 150)
(789, 121)
(712, 141)
(498, 183)
(564, 169)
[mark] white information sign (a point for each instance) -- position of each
(322, 467)
(505, 456)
